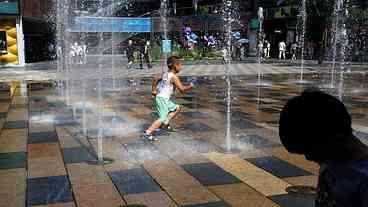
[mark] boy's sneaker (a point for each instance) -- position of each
(149, 137)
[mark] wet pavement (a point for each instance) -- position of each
(46, 159)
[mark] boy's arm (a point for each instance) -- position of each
(182, 88)
(156, 78)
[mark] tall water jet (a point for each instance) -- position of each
(163, 20)
(301, 25)
(112, 47)
(260, 37)
(195, 5)
(229, 15)
(340, 47)
(260, 40)
(100, 104)
(84, 107)
(60, 48)
(303, 12)
(337, 8)
(100, 122)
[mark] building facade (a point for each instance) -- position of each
(11, 33)
(23, 31)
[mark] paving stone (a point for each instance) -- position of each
(5, 100)
(195, 114)
(288, 200)
(87, 174)
(297, 160)
(243, 124)
(19, 106)
(256, 141)
(45, 167)
(278, 167)
(48, 190)
(181, 187)
(142, 150)
(42, 137)
(125, 108)
(115, 119)
(67, 140)
(151, 199)
(134, 181)
(260, 180)
(310, 180)
(3, 115)
(17, 114)
(94, 133)
(58, 104)
(192, 105)
(65, 121)
(40, 126)
(69, 204)
(77, 155)
(42, 150)
(13, 140)
(240, 115)
(12, 160)
(16, 124)
(210, 174)
(97, 195)
(4, 107)
(270, 110)
(200, 146)
(212, 204)
(197, 127)
(190, 98)
(13, 187)
(241, 195)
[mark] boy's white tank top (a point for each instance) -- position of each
(165, 88)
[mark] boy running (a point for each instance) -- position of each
(163, 87)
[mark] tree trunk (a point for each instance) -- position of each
(322, 46)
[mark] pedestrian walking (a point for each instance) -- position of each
(293, 49)
(130, 53)
(282, 50)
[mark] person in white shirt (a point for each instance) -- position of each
(260, 49)
(282, 49)
(268, 45)
(293, 49)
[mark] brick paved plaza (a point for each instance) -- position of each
(46, 160)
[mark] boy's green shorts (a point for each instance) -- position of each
(164, 107)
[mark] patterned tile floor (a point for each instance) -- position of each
(48, 159)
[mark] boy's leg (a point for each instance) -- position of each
(173, 114)
(155, 125)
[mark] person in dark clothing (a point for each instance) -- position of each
(145, 54)
(318, 125)
(130, 53)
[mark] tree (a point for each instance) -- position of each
(318, 21)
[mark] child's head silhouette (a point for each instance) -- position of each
(314, 123)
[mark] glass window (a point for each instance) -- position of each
(3, 46)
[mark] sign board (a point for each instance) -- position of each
(9, 7)
(111, 24)
(282, 12)
(254, 24)
(166, 46)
